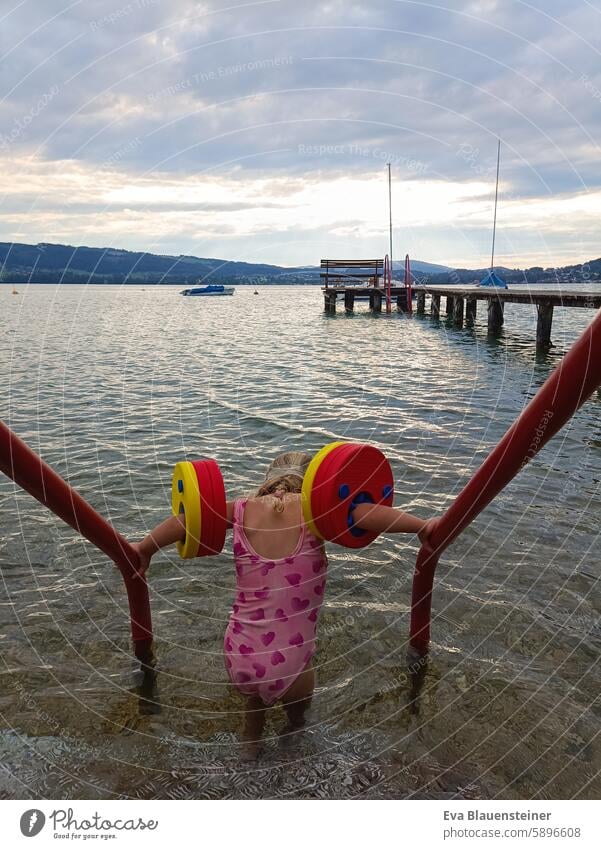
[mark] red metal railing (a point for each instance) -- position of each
(29, 471)
(567, 388)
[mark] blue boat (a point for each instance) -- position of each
(212, 289)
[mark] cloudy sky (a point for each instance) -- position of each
(260, 131)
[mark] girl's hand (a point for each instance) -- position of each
(144, 557)
(169, 531)
(426, 532)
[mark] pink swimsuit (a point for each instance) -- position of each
(270, 636)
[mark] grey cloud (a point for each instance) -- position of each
(311, 88)
(27, 202)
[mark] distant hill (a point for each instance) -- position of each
(46, 263)
(588, 272)
(417, 265)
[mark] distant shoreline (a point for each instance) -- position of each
(143, 284)
(267, 285)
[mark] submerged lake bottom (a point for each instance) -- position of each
(114, 385)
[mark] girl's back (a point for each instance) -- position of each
(281, 575)
(270, 532)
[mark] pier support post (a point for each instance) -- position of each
(330, 301)
(496, 317)
(435, 306)
(543, 325)
(470, 310)
(349, 300)
(401, 301)
(458, 312)
(421, 303)
(450, 300)
(375, 300)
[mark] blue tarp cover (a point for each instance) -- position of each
(491, 278)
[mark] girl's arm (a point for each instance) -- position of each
(381, 519)
(171, 530)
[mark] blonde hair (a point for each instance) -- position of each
(285, 474)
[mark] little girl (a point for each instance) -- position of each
(281, 576)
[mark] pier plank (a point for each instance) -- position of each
(543, 325)
(496, 317)
(376, 300)
(518, 295)
(458, 311)
(330, 301)
(471, 307)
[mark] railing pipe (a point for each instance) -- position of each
(565, 390)
(20, 463)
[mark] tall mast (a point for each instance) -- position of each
(494, 226)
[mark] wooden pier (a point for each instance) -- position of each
(375, 296)
(461, 303)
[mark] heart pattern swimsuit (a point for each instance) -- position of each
(270, 636)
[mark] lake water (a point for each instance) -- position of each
(113, 385)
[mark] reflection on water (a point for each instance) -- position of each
(114, 385)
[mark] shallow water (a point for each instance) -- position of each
(114, 385)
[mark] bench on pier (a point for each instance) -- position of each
(351, 272)
(348, 278)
